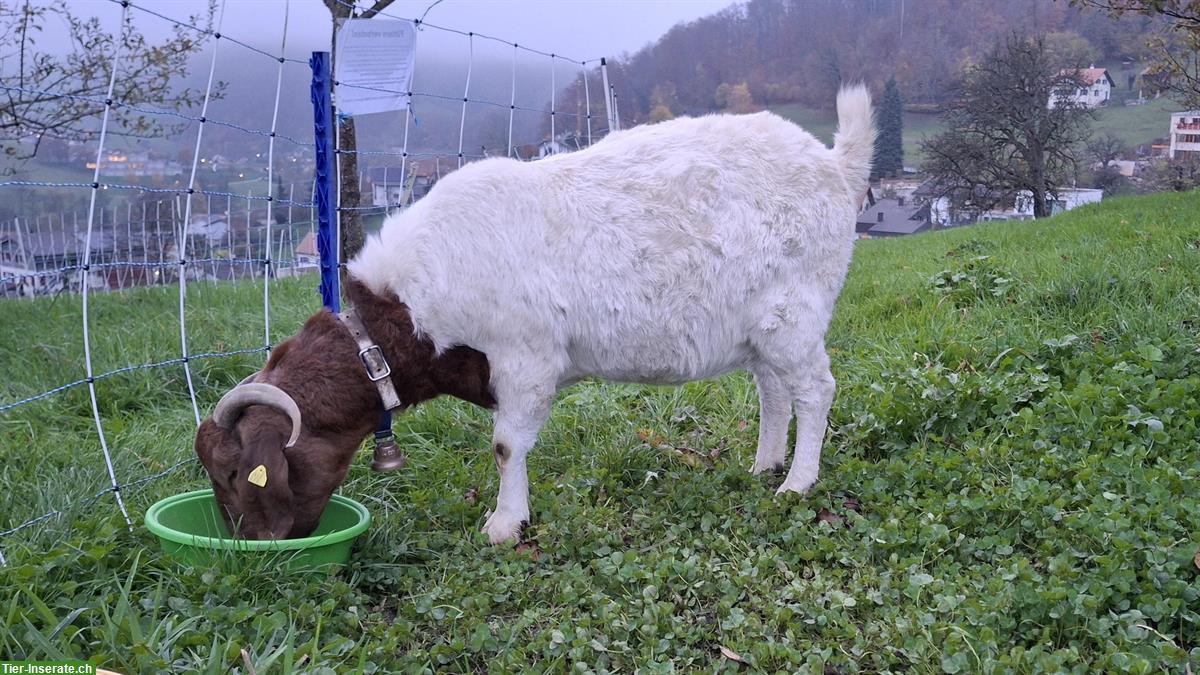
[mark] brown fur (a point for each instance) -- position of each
(501, 453)
(339, 407)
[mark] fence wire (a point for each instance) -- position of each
(137, 233)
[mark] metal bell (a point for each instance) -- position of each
(387, 456)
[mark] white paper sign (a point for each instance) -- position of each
(374, 65)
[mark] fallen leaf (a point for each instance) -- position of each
(742, 425)
(690, 458)
(827, 516)
(731, 655)
(471, 495)
(530, 546)
(852, 504)
(1196, 560)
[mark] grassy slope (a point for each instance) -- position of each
(1136, 125)
(823, 122)
(1009, 485)
(1132, 124)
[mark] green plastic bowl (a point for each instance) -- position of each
(190, 528)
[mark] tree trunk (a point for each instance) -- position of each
(1039, 204)
(1037, 165)
(349, 216)
(348, 194)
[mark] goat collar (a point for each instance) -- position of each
(371, 355)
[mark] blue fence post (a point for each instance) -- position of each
(326, 177)
(387, 456)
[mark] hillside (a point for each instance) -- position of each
(801, 52)
(1134, 125)
(1009, 484)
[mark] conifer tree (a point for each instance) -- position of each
(889, 144)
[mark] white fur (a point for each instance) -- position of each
(662, 254)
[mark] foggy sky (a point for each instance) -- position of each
(579, 29)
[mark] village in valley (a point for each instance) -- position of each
(221, 231)
(1138, 140)
(910, 203)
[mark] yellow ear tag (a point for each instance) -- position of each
(259, 476)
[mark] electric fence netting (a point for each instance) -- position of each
(140, 280)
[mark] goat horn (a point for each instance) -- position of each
(230, 407)
(249, 379)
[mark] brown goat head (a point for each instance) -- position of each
(275, 456)
(335, 407)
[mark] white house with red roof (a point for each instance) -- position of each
(1095, 90)
(1185, 135)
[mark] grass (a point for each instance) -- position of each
(822, 123)
(1134, 125)
(1009, 485)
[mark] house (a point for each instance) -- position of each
(1096, 89)
(1125, 167)
(28, 258)
(1154, 81)
(1068, 198)
(572, 141)
(306, 253)
(547, 147)
(212, 226)
(403, 185)
(1185, 135)
(387, 185)
(944, 213)
(892, 216)
(122, 164)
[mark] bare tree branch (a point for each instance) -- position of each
(1178, 54)
(60, 96)
(378, 7)
(1005, 137)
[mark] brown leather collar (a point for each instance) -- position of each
(371, 355)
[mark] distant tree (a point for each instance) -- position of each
(1070, 49)
(1105, 149)
(889, 144)
(348, 193)
(662, 100)
(1111, 180)
(735, 98)
(660, 113)
(1178, 54)
(55, 94)
(1003, 137)
(1179, 175)
(721, 96)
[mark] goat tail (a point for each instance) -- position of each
(854, 141)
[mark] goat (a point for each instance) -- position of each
(662, 254)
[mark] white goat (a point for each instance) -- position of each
(662, 254)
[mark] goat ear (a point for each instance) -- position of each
(216, 446)
(262, 460)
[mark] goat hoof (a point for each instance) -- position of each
(799, 487)
(504, 528)
(767, 467)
